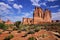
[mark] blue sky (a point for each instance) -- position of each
(15, 10)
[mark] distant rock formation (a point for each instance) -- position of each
(39, 16)
(8, 22)
(27, 21)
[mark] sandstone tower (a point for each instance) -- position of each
(39, 17)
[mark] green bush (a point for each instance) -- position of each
(3, 26)
(9, 37)
(17, 23)
(32, 38)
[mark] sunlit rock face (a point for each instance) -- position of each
(39, 16)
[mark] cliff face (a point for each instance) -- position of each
(39, 16)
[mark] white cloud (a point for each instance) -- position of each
(5, 9)
(6, 12)
(12, 18)
(44, 3)
(35, 2)
(10, 0)
(17, 6)
(56, 16)
(5, 5)
(51, 0)
(27, 14)
(54, 6)
(18, 18)
(38, 3)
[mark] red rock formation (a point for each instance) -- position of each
(8, 22)
(39, 16)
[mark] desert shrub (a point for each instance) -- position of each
(23, 27)
(36, 30)
(32, 38)
(10, 26)
(52, 24)
(0, 32)
(15, 28)
(42, 36)
(31, 32)
(9, 37)
(3, 26)
(17, 23)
